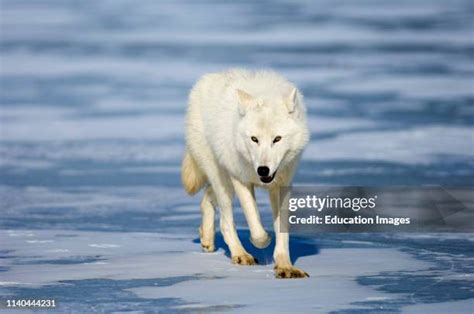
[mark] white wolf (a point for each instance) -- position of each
(244, 129)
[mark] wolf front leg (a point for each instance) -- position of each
(258, 236)
(281, 255)
(224, 193)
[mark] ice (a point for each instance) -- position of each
(465, 306)
(414, 146)
(132, 256)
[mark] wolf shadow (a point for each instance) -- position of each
(299, 247)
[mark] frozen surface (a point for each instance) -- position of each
(93, 95)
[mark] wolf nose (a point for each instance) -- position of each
(263, 171)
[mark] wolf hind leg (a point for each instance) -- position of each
(207, 229)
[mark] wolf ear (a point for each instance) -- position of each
(245, 100)
(291, 101)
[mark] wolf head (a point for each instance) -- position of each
(272, 131)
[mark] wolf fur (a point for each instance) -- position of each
(244, 129)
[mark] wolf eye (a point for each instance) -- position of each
(277, 139)
(254, 139)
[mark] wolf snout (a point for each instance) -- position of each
(263, 171)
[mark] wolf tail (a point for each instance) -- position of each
(192, 177)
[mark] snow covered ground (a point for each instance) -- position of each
(92, 98)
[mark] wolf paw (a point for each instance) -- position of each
(208, 247)
(207, 244)
(261, 242)
(244, 259)
(289, 272)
